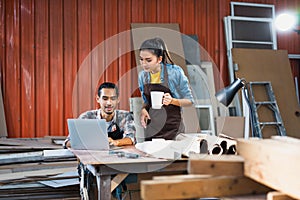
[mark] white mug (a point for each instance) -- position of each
(156, 99)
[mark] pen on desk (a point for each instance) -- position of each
(123, 154)
(132, 155)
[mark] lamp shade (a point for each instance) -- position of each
(226, 95)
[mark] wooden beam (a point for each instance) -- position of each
(224, 165)
(181, 177)
(199, 187)
(274, 163)
(19, 176)
(275, 195)
(117, 180)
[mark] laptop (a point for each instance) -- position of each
(88, 134)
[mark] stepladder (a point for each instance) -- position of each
(265, 114)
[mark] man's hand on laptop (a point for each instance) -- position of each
(113, 142)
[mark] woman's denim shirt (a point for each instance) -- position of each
(178, 82)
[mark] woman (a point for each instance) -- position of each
(161, 74)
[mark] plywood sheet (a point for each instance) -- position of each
(274, 163)
(273, 66)
(188, 188)
(170, 33)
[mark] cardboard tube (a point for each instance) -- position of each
(223, 145)
(231, 150)
(216, 150)
(203, 146)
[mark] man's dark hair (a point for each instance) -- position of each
(108, 85)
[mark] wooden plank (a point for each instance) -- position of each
(38, 191)
(42, 67)
(29, 143)
(111, 46)
(86, 95)
(273, 66)
(12, 90)
(125, 49)
(21, 167)
(31, 157)
(222, 77)
(2, 42)
(224, 165)
(275, 195)
(97, 41)
(21, 157)
(137, 14)
(150, 13)
(273, 163)
(176, 13)
(117, 180)
(199, 188)
(213, 28)
(287, 139)
(201, 13)
(6, 178)
(163, 11)
(247, 197)
(70, 58)
(188, 20)
(27, 69)
(182, 177)
(56, 68)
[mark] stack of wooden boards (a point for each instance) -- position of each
(37, 168)
(262, 166)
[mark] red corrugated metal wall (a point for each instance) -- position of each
(44, 43)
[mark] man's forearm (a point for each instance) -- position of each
(123, 142)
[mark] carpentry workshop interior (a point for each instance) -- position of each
(150, 99)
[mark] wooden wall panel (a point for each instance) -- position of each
(124, 61)
(176, 12)
(44, 43)
(70, 57)
(56, 67)
(188, 20)
(150, 10)
(2, 40)
(200, 24)
(27, 69)
(213, 25)
(12, 90)
(97, 37)
(137, 14)
(163, 14)
(222, 77)
(41, 67)
(111, 46)
(85, 90)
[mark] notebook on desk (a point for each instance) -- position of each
(88, 134)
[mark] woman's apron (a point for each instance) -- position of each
(165, 122)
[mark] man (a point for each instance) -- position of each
(120, 128)
(120, 123)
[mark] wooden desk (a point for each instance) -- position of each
(102, 164)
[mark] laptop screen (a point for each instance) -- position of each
(88, 134)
